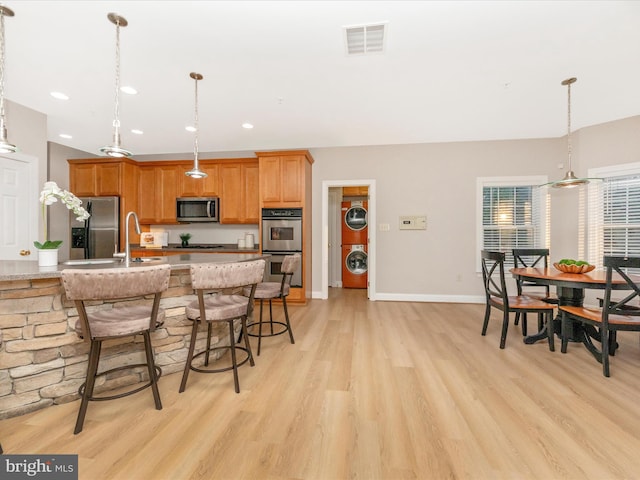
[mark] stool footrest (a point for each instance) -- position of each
(217, 370)
(269, 325)
(127, 393)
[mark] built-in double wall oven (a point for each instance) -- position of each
(281, 236)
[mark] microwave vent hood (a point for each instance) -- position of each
(197, 209)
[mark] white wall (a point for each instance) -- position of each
(438, 180)
(59, 172)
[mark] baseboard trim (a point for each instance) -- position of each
(413, 297)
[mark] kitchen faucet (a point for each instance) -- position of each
(127, 248)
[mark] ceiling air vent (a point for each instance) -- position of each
(363, 39)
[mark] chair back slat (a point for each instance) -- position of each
(531, 257)
(212, 276)
(114, 283)
(629, 304)
(493, 276)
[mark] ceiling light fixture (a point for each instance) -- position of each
(116, 150)
(570, 180)
(195, 172)
(5, 146)
(60, 95)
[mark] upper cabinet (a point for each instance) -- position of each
(200, 187)
(283, 178)
(361, 191)
(95, 179)
(100, 177)
(239, 200)
(158, 190)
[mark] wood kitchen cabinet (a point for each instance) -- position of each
(158, 189)
(95, 179)
(200, 187)
(99, 177)
(239, 192)
(282, 180)
(362, 191)
(285, 182)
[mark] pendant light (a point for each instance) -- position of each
(116, 150)
(5, 146)
(195, 172)
(570, 180)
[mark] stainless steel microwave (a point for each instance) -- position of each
(198, 209)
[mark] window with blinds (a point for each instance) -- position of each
(513, 213)
(613, 212)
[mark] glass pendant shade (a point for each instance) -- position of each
(195, 172)
(5, 146)
(116, 150)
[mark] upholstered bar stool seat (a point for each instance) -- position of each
(272, 291)
(97, 324)
(221, 307)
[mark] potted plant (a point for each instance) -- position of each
(51, 192)
(185, 239)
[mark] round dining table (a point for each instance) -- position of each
(570, 288)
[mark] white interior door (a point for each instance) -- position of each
(19, 206)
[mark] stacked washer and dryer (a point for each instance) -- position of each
(354, 244)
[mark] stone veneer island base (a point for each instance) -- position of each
(43, 361)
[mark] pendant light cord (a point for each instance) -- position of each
(569, 150)
(197, 127)
(2, 64)
(116, 119)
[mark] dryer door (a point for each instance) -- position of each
(356, 261)
(355, 218)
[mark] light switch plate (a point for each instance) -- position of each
(413, 222)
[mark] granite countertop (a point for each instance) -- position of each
(200, 248)
(12, 270)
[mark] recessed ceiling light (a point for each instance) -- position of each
(129, 89)
(190, 128)
(65, 135)
(59, 96)
(247, 125)
(136, 131)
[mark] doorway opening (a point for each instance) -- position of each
(331, 204)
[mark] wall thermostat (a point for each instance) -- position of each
(413, 222)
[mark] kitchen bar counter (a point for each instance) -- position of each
(43, 361)
(29, 269)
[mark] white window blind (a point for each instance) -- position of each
(513, 213)
(613, 212)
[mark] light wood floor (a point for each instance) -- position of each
(371, 390)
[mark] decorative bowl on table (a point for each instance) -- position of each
(573, 268)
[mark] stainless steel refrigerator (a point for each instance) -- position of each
(99, 236)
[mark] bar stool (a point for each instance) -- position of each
(275, 290)
(95, 326)
(221, 306)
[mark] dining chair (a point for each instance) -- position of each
(271, 291)
(535, 258)
(224, 305)
(95, 325)
(614, 315)
(498, 297)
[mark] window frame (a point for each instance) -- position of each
(543, 217)
(593, 219)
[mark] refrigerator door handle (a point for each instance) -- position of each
(87, 231)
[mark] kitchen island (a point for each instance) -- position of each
(42, 360)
